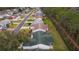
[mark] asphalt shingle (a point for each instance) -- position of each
(39, 38)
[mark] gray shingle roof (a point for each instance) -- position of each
(39, 37)
(4, 22)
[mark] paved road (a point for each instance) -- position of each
(16, 30)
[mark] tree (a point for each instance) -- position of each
(11, 42)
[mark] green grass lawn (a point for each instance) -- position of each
(31, 17)
(12, 25)
(58, 43)
(17, 21)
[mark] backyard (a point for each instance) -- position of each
(58, 43)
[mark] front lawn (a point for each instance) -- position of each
(12, 25)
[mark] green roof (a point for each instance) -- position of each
(40, 37)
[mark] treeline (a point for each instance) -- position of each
(5, 8)
(68, 18)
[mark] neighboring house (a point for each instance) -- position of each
(1, 17)
(39, 24)
(15, 11)
(39, 14)
(3, 24)
(12, 17)
(4, 16)
(37, 21)
(3, 13)
(15, 18)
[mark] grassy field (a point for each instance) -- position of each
(58, 43)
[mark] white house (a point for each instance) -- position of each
(3, 24)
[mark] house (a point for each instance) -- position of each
(39, 41)
(40, 38)
(1, 16)
(39, 24)
(3, 24)
(39, 14)
(15, 18)
(37, 21)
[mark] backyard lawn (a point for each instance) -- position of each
(58, 43)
